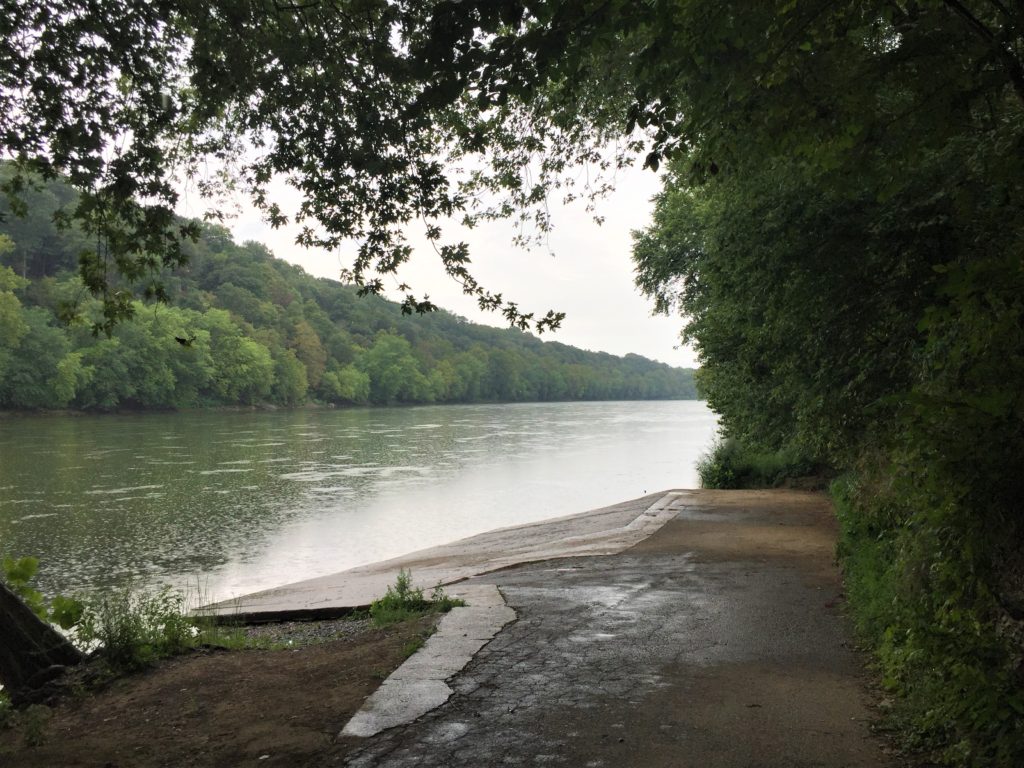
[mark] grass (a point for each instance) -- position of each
(135, 628)
(132, 629)
(6, 711)
(129, 630)
(403, 602)
(414, 645)
(34, 720)
(233, 638)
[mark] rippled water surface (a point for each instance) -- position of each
(235, 502)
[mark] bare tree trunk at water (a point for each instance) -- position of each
(31, 651)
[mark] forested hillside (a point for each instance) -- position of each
(244, 327)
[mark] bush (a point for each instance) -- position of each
(402, 601)
(732, 465)
(919, 598)
(136, 628)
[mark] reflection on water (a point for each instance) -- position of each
(236, 502)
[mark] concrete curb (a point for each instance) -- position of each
(419, 685)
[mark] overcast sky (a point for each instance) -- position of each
(589, 277)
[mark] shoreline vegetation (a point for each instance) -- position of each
(244, 329)
(160, 685)
(265, 408)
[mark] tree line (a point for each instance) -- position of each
(243, 327)
(840, 229)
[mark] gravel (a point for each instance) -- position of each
(300, 633)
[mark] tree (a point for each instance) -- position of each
(290, 383)
(848, 260)
(393, 372)
(32, 652)
(346, 385)
(359, 115)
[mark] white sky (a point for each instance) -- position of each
(589, 277)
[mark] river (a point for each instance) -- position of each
(225, 503)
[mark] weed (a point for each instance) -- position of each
(441, 602)
(6, 711)
(413, 645)
(235, 638)
(918, 603)
(403, 601)
(136, 628)
(33, 721)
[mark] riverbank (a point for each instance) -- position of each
(690, 628)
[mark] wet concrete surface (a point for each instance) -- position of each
(717, 641)
(601, 531)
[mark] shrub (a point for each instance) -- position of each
(402, 601)
(732, 465)
(136, 628)
(918, 593)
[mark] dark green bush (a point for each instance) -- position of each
(918, 583)
(732, 465)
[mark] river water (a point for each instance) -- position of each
(228, 503)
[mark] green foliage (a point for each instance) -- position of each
(63, 611)
(136, 628)
(731, 465)
(18, 574)
(920, 597)
(393, 372)
(33, 721)
(66, 612)
(840, 227)
(403, 601)
(346, 385)
(250, 329)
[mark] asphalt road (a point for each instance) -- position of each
(717, 641)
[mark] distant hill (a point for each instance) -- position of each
(244, 327)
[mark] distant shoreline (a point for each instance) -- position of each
(271, 408)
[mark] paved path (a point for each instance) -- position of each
(715, 641)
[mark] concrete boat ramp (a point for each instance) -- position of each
(687, 628)
(600, 532)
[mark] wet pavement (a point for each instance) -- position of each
(717, 641)
(601, 531)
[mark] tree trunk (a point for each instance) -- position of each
(31, 651)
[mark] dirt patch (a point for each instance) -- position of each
(218, 708)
